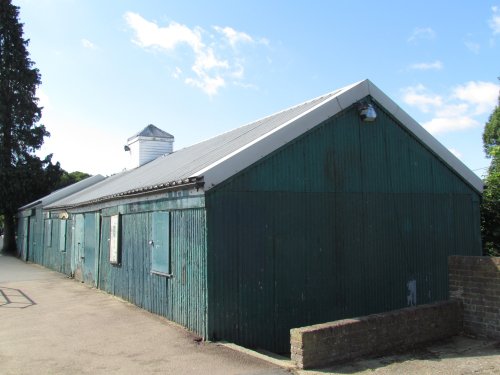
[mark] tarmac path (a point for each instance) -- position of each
(50, 324)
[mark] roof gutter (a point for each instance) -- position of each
(191, 182)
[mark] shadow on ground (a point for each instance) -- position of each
(14, 298)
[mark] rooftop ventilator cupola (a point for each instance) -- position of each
(147, 145)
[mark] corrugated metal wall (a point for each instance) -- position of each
(53, 258)
(39, 249)
(69, 249)
(182, 297)
(49, 253)
(39, 238)
(350, 219)
(22, 236)
(35, 246)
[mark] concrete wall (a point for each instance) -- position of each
(475, 281)
(324, 344)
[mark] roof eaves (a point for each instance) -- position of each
(64, 192)
(30, 205)
(196, 182)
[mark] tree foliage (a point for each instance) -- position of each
(69, 178)
(490, 208)
(491, 134)
(23, 176)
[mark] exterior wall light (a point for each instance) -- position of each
(367, 112)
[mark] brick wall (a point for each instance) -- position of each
(475, 281)
(324, 344)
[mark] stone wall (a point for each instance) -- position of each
(325, 344)
(475, 282)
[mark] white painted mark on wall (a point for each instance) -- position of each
(411, 298)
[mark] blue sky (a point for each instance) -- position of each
(196, 69)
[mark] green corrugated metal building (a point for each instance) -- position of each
(338, 207)
(35, 230)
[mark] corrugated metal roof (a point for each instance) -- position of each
(220, 157)
(64, 192)
(152, 131)
(179, 166)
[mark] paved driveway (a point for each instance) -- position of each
(50, 324)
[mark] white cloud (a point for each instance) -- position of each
(449, 124)
(455, 152)
(452, 110)
(206, 60)
(212, 66)
(458, 109)
(149, 34)
(436, 65)
(419, 97)
(177, 72)
(208, 84)
(87, 43)
(264, 41)
(422, 33)
(246, 85)
(239, 72)
(482, 95)
(233, 36)
(495, 20)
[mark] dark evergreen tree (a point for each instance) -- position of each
(490, 207)
(23, 176)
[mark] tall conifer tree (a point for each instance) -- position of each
(23, 176)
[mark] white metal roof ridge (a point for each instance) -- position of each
(265, 144)
(266, 117)
(260, 147)
(419, 131)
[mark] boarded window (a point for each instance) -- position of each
(62, 235)
(114, 240)
(48, 232)
(160, 244)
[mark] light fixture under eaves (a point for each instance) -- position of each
(367, 112)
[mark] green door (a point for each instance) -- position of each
(77, 253)
(31, 238)
(25, 238)
(91, 249)
(160, 257)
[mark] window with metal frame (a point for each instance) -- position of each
(62, 235)
(48, 232)
(114, 240)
